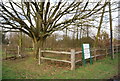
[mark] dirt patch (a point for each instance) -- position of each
(115, 78)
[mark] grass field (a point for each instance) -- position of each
(28, 68)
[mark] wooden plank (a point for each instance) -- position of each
(72, 59)
(91, 56)
(98, 55)
(57, 52)
(78, 60)
(39, 56)
(78, 52)
(97, 49)
(55, 59)
(11, 49)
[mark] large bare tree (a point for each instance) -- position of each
(40, 19)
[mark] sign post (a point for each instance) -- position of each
(86, 54)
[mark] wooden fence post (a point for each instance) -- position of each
(113, 51)
(6, 53)
(106, 52)
(95, 54)
(39, 58)
(72, 59)
(18, 51)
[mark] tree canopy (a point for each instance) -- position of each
(43, 18)
(40, 19)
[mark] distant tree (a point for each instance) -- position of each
(103, 40)
(87, 40)
(15, 40)
(3, 38)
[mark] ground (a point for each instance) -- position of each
(28, 68)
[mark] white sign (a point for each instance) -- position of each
(86, 50)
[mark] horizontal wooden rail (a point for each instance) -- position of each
(91, 56)
(97, 49)
(98, 55)
(55, 59)
(11, 49)
(78, 60)
(78, 52)
(60, 52)
(57, 52)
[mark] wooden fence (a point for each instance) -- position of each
(72, 54)
(13, 53)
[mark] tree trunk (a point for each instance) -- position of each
(36, 48)
(98, 32)
(42, 46)
(111, 34)
(66, 32)
(81, 33)
(37, 45)
(20, 41)
(73, 38)
(87, 32)
(33, 44)
(77, 35)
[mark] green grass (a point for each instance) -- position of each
(28, 68)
